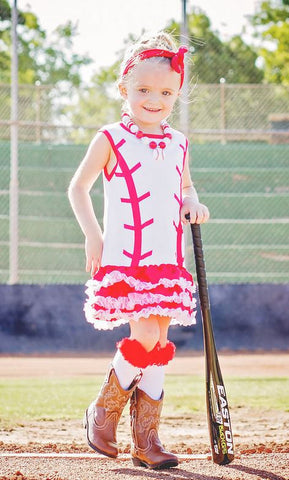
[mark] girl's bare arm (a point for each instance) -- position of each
(96, 158)
(198, 212)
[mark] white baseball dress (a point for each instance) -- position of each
(142, 269)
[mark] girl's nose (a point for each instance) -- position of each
(154, 98)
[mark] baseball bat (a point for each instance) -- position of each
(219, 424)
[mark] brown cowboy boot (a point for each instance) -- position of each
(102, 416)
(147, 450)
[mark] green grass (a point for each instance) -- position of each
(35, 399)
(185, 393)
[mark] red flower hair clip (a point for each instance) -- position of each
(177, 59)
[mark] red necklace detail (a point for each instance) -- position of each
(153, 144)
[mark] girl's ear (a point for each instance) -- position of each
(122, 90)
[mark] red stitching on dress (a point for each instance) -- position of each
(147, 223)
(127, 173)
(185, 149)
(145, 255)
(132, 170)
(144, 196)
(143, 225)
(125, 252)
(140, 199)
(178, 170)
(115, 149)
(179, 199)
(136, 167)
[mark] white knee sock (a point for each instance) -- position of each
(125, 372)
(152, 381)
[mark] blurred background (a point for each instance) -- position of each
(235, 111)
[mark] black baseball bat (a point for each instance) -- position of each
(219, 424)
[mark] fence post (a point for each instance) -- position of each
(184, 110)
(223, 110)
(13, 212)
(38, 113)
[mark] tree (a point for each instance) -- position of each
(233, 60)
(94, 107)
(271, 23)
(40, 59)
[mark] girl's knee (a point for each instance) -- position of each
(164, 323)
(146, 331)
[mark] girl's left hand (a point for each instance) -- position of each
(198, 212)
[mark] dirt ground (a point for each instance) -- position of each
(261, 437)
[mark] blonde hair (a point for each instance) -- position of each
(160, 40)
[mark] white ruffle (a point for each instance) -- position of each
(102, 320)
(128, 302)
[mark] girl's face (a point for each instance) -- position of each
(151, 92)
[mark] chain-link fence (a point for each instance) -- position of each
(239, 162)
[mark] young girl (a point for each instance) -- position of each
(138, 276)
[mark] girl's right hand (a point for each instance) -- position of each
(93, 251)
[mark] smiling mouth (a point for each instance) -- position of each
(154, 110)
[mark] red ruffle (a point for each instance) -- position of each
(134, 352)
(165, 354)
(122, 289)
(147, 273)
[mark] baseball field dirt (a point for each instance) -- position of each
(56, 450)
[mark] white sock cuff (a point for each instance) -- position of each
(125, 372)
(152, 381)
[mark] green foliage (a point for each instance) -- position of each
(277, 61)
(106, 77)
(5, 10)
(271, 11)
(271, 22)
(48, 61)
(96, 105)
(213, 59)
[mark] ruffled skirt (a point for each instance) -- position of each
(119, 294)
